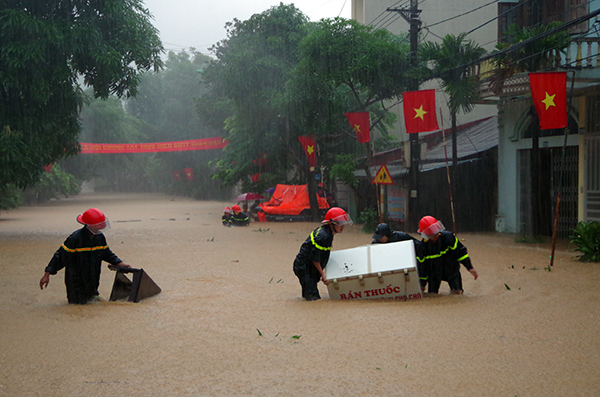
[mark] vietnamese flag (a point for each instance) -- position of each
(255, 177)
(359, 121)
(419, 111)
(189, 173)
(309, 146)
(177, 175)
(549, 94)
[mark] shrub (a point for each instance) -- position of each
(586, 236)
(10, 197)
(369, 219)
(53, 184)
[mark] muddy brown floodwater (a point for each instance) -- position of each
(230, 320)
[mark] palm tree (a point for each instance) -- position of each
(449, 62)
(537, 55)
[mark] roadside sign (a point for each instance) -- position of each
(382, 177)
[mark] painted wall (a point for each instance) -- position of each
(512, 123)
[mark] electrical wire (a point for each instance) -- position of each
(374, 22)
(465, 13)
(512, 10)
(343, 5)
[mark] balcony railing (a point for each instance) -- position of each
(583, 53)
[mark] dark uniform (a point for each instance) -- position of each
(397, 236)
(440, 261)
(226, 219)
(81, 255)
(316, 248)
(240, 219)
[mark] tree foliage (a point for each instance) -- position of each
(345, 67)
(46, 49)
(163, 110)
(283, 77)
(537, 55)
(165, 102)
(248, 78)
(448, 59)
(371, 64)
(106, 121)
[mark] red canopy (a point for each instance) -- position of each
(290, 200)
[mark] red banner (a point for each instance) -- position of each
(549, 94)
(309, 146)
(189, 173)
(175, 146)
(419, 111)
(359, 121)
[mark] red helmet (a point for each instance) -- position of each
(93, 218)
(428, 226)
(337, 215)
(236, 208)
(227, 210)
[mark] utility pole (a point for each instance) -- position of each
(411, 16)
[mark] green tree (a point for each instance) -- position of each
(448, 59)
(536, 55)
(166, 107)
(53, 184)
(163, 110)
(247, 79)
(46, 48)
(165, 102)
(105, 121)
(345, 67)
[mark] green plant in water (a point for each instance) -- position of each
(369, 219)
(586, 236)
(261, 230)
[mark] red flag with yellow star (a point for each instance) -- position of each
(359, 121)
(419, 111)
(549, 94)
(310, 148)
(189, 173)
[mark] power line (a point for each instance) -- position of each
(343, 5)
(384, 12)
(512, 10)
(465, 13)
(523, 43)
(387, 21)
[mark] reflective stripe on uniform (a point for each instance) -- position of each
(312, 239)
(86, 249)
(443, 253)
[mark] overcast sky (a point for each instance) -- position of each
(200, 23)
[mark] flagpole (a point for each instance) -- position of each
(448, 174)
(560, 179)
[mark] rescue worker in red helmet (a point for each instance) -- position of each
(81, 255)
(239, 218)
(439, 257)
(314, 252)
(384, 234)
(226, 218)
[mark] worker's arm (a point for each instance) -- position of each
(320, 269)
(44, 280)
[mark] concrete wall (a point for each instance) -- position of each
(513, 122)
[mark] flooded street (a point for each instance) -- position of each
(230, 320)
